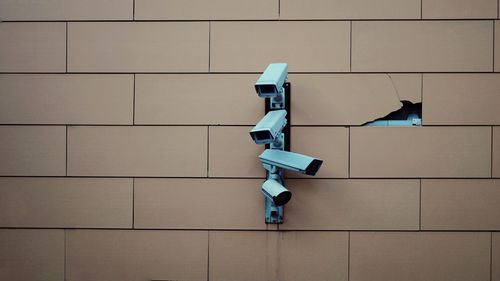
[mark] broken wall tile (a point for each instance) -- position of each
(408, 86)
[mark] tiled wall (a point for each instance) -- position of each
(125, 154)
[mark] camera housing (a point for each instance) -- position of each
(295, 162)
(270, 83)
(276, 192)
(269, 128)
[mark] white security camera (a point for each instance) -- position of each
(273, 158)
(271, 84)
(268, 130)
(276, 192)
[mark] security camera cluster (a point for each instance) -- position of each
(269, 131)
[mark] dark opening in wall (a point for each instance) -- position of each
(410, 114)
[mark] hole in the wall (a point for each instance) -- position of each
(410, 114)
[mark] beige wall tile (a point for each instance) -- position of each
(284, 256)
(28, 254)
(330, 144)
(65, 202)
(408, 86)
(66, 99)
(137, 151)
(66, 10)
(319, 204)
(459, 9)
(32, 151)
(197, 99)
(350, 9)
(199, 204)
(496, 152)
(460, 204)
(419, 256)
(251, 46)
(138, 46)
(341, 99)
(233, 153)
(495, 267)
(406, 152)
(461, 99)
(33, 47)
(127, 255)
(422, 46)
(206, 10)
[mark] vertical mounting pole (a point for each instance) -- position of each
(274, 214)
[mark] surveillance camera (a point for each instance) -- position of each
(276, 192)
(295, 162)
(270, 83)
(268, 129)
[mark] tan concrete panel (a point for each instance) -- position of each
(137, 151)
(428, 152)
(461, 99)
(199, 204)
(287, 256)
(32, 151)
(197, 99)
(130, 255)
(330, 144)
(495, 267)
(66, 99)
(28, 254)
(460, 204)
(342, 99)
(422, 46)
(420, 256)
(233, 153)
(65, 202)
(37, 10)
(459, 9)
(33, 47)
(206, 10)
(350, 9)
(408, 86)
(138, 46)
(496, 153)
(319, 204)
(305, 46)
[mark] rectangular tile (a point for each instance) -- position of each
(496, 153)
(459, 9)
(287, 256)
(349, 9)
(330, 144)
(251, 46)
(342, 99)
(422, 46)
(28, 254)
(65, 202)
(32, 151)
(419, 256)
(319, 204)
(495, 266)
(460, 204)
(137, 151)
(420, 152)
(36, 10)
(130, 255)
(66, 99)
(197, 99)
(461, 99)
(213, 204)
(33, 47)
(233, 153)
(150, 46)
(206, 10)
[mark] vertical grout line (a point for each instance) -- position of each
(66, 47)
(491, 152)
(491, 256)
(209, 43)
(348, 256)
(422, 97)
(133, 203)
(420, 206)
(493, 65)
(65, 257)
(279, 9)
(349, 152)
(66, 172)
(133, 10)
(350, 46)
(208, 148)
(421, 9)
(208, 256)
(133, 103)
